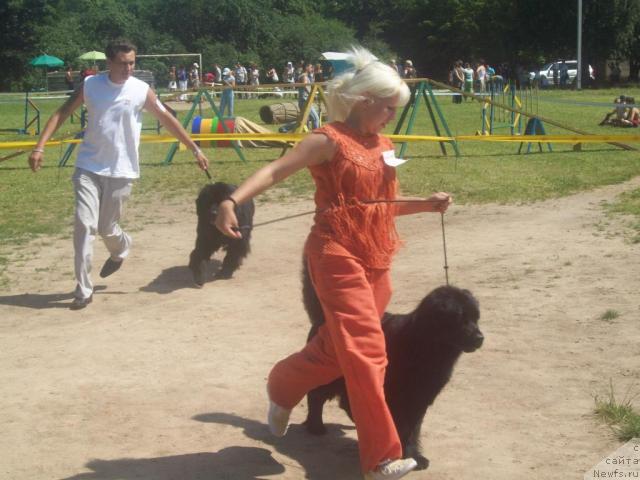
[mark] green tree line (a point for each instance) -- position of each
(433, 33)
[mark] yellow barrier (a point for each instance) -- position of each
(296, 137)
(550, 138)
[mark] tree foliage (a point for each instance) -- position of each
(433, 33)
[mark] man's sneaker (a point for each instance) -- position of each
(278, 419)
(80, 303)
(392, 469)
(110, 266)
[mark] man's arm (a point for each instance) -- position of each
(36, 159)
(168, 121)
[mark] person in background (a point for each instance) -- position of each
(555, 73)
(409, 70)
(457, 80)
(396, 67)
(303, 96)
(173, 86)
(625, 113)
(348, 253)
(254, 75)
(494, 81)
(289, 74)
(618, 112)
(194, 76)
(218, 73)
(182, 79)
(241, 78)
(318, 74)
(108, 158)
(226, 98)
(458, 75)
(87, 72)
(563, 71)
(632, 114)
(272, 75)
(468, 79)
(481, 75)
(68, 78)
(328, 71)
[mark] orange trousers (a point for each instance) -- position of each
(349, 344)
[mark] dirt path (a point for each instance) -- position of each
(158, 380)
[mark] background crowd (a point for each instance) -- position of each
(183, 78)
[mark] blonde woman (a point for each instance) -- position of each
(349, 252)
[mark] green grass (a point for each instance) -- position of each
(628, 204)
(619, 414)
(609, 315)
(41, 204)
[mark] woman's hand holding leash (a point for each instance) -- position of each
(226, 220)
(439, 202)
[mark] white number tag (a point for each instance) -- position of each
(389, 157)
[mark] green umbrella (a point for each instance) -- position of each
(46, 61)
(93, 56)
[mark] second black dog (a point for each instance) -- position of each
(209, 239)
(422, 348)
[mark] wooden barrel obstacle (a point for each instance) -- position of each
(278, 113)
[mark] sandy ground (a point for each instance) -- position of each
(159, 380)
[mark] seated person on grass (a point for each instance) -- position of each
(632, 115)
(618, 111)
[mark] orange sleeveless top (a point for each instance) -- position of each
(347, 224)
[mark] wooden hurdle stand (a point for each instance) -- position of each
(422, 89)
(301, 123)
(185, 123)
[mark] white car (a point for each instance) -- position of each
(545, 75)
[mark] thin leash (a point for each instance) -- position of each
(444, 248)
(311, 212)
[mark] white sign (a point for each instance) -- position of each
(389, 157)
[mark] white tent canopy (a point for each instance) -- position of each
(336, 56)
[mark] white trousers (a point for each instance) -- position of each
(99, 202)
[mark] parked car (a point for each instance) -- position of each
(544, 76)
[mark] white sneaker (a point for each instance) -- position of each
(278, 419)
(392, 469)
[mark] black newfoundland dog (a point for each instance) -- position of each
(422, 347)
(209, 239)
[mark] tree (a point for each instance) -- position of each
(607, 32)
(433, 33)
(18, 21)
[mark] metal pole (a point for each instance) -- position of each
(579, 72)
(26, 111)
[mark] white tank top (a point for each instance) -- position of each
(114, 122)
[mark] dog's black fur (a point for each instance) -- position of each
(209, 239)
(422, 348)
